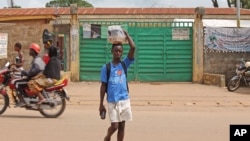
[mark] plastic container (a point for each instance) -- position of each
(247, 64)
(103, 115)
(116, 35)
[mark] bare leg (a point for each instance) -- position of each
(42, 99)
(111, 130)
(121, 131)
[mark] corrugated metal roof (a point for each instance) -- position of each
(117, 11)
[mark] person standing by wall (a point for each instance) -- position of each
(115, 85)
(19, 58)
(47, 42)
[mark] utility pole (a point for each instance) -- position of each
(198, 65)
(238, 13)
(74, 43)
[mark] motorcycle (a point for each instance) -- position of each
(56, 95)
(242, 76)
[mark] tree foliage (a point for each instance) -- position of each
(233, 3)
(229, 3)
(215, 3)
(12, 4)
(67, 3)
(15, 6)
(243, 3)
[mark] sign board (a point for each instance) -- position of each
(222, 39)
(180, 34)
(3, 45)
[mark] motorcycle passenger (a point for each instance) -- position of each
(37, 66)
(53, 68)
(49, 77)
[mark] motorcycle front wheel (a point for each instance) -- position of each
(57, 108)
(233, 84)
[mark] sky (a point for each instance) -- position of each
(124, 3)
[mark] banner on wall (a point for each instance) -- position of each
(227, 39)
(3, 45)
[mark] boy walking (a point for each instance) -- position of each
(115, 85)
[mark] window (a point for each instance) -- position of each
(91, 31)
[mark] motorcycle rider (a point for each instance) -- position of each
(49, 76)
(37, 66)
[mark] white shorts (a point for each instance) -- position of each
(120, 111)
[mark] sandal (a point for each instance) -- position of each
(20, 104)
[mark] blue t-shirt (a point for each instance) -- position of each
(117, 85)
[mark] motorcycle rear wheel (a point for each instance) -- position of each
(233, 84)
(58, 109)
(4, 103)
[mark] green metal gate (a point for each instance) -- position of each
(163, 53)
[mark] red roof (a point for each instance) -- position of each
(117, 11)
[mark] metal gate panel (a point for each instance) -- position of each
(95, 52)
(160, 56)
(150, 58)
(178, 58)
(92, 57)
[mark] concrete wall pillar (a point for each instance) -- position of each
(74, 44)
(198, 41)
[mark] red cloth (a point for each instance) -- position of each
(46, 58)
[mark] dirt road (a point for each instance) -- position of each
(166, 94)
(173, 112)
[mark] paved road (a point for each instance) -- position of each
(173, 112)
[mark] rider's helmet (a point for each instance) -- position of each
(35, 47)
(47, 36)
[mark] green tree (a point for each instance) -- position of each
(215, 3)
(66, 3)
(229, 3)
(243, 3)
(12, 4)
(16, 6)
